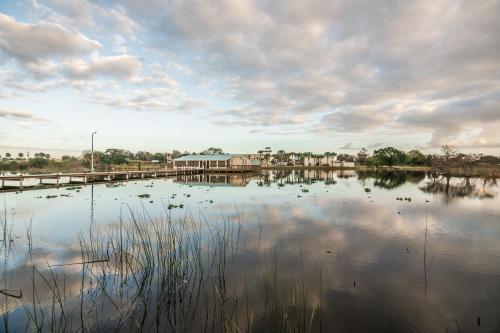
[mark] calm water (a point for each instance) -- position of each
(293, 251)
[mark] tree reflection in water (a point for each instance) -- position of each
(391, 179)
(452, 188)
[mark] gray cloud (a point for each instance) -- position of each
(475, 118)
(32, 43)
(358, 66)
(153, 99)
(355, 120)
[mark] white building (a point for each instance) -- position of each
(215, 162)
(326, 161)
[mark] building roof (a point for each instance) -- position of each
(217, 157)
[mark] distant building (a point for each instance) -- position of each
(326, 161)
(294, 160)
(215, 162)
(263, 156)
(347, 164)
(320, 161)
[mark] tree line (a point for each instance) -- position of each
(447, 159)
(111, 156)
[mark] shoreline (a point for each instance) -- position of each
(477, 171)
(356, 167)
(490, 172)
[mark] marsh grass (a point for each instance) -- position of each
(163, 274)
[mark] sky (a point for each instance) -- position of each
(297, 75)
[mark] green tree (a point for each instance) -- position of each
(143, 156)
(116, 156)
(176, 154)
(42, 155)
(281, 156)
(160, 157)
(68, 157)
(7, 155)
(212, 151)
(38, 162)
(389, 156)
(415, 157)
(330, 154)
(345, 158)
(362, 156)
(20, 155)
(98, 158)
(489, 159)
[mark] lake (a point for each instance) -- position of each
(292, 250)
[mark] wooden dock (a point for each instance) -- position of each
(20, 182)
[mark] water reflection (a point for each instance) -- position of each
(391, 179)
(217, 179)
(265, 255)
(452, 188)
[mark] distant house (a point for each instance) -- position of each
(293, 160)
(347, 164)
(320, 161)
(215, 162)
(326, 161)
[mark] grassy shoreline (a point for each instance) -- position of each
(357, 167)
(477, 171)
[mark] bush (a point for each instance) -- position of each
(415, 157)
(38, 162)
(8, 165)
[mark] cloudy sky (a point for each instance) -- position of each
(296, 75)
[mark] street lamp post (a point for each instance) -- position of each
(92, 156)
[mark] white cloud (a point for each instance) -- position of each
(27, 86)
(119, 44)
(20, 116)
(119, 67)
(85, 14)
